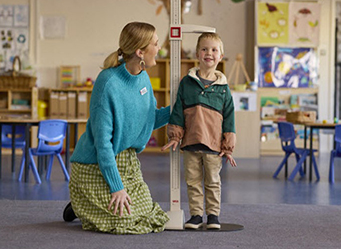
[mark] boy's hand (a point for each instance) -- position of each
(171, 143)
(229, 158)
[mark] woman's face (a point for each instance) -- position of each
(151, 51)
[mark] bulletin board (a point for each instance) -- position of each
(287, 40)
(14, 35)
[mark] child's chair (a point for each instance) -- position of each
(19, 142)
(51, 134)
(335, 153)
(288, 136)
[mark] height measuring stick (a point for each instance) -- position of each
(175, 36)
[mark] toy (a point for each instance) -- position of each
(88, 82)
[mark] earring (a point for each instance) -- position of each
(142, 64)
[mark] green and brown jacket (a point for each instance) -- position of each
(203, 115)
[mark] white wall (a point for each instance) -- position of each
(93, 28)
(326, 68)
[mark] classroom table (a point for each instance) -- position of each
(28, 122)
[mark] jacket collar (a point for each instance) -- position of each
(221, 78)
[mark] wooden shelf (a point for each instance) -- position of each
(30, 95)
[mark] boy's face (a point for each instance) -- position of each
(209, 53)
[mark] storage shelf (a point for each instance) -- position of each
(273, 146)
(30, 95)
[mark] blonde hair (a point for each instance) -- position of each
(213, 36)
(135, 35)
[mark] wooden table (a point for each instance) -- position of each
(28, 122)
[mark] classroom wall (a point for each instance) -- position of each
(93, 28)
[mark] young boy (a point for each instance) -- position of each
(203, 120)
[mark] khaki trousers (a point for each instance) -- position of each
(202, 167)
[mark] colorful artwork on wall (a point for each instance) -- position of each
(288, 23)
(286, 67)
(272, 23)
(304, 23)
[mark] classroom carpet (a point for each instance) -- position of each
(39, 224)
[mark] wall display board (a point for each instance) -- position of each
(14, 34)
(286, 62)
(287, 39)
(286, 67)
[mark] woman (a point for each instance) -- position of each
(107, 190)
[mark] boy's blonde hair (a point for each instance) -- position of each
(208, 35)
(135, 35)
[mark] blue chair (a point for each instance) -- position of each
(287, 135)
(51, 134)
(335, 153)
(6, 136)
(19, 142)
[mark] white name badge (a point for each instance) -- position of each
(143, 91)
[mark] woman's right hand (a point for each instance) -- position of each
(171, 143)
(121, 200)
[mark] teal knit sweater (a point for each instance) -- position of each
(123, 114)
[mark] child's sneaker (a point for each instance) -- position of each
(194, 222)
(213, 222)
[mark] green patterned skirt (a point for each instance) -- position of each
(90, 197)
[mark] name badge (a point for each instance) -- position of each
(143, 91)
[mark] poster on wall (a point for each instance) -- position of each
(6, 15)
(304, 23)
(272, 23)
(14, 32)
(245, 101)
(288, 23)
(21, 15)
(286, 67)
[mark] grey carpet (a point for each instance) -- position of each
(38, 224)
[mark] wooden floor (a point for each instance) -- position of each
(250, 182)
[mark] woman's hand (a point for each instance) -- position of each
(171, 143)
(121, 200)
(229, 158)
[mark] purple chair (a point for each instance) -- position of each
(287, 135)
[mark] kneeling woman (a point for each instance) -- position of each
(107, 190)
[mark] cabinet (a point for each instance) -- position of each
(162, 94)
(19, 102)
(269, 141)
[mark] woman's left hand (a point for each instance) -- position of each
(121, 200)
(229, 158)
